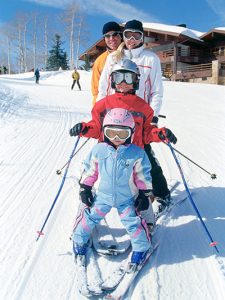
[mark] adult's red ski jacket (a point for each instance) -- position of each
(142, 113)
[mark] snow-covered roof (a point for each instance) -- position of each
(220, 28)
(210, 32)
(194, 34)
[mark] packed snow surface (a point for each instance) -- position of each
(35, 142)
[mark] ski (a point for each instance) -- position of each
(88, 279)
(113, 280)
(94, 274)
(128, 278)
(174, 186)
(81, 278)
(169, 208)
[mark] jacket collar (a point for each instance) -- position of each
(133, 52)
(120, 149)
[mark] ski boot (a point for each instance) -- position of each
(160, 204)
(151, 228)
(80, 251)
(137, 259)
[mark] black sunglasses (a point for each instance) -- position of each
(114, 34)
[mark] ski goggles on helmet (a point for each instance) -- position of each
(122, 133)
(114, 34)
(128, 34)
(127, 77)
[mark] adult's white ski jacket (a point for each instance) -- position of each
(150, 85)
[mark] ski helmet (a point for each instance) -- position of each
(119, 118)
(125, 66)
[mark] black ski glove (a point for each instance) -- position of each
(77, 129)
(166, 134)
(154, 121)
(142, 201)
(86, 194)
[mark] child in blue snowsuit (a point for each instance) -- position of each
(123, 172)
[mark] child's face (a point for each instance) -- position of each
(117, 142)
(123, 87)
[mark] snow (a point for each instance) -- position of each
(175, 29)
(220, 28)
(34, 143)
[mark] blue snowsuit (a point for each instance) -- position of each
(120, 173)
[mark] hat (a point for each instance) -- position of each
(110, 26)
(134, 25)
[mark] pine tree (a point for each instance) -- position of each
(57, 56)
(87, 64)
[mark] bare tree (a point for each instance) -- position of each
(74, 20)
(34, 40)
(30, 49)
(79, 26)
(81, 34)
(21, 21)
(7, 39)
(69, 17)
(25, 46)
(9, 54)
(45, 40)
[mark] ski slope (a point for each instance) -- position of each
(34, 143)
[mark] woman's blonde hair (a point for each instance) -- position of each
(119, 53)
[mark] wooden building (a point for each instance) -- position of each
(185, 54)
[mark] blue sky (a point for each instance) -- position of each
(201, 15)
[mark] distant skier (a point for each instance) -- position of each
(37, 75)
(76, 79)
(123, 171)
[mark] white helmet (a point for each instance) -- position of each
(126, 66)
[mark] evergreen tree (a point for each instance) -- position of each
(87, 65)
(57, 56)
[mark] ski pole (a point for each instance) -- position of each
(40, 232)
(213, 176)
(59, 172)
(212, 243)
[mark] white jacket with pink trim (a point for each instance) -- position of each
(150, 85)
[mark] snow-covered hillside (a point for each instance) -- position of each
(34, 143)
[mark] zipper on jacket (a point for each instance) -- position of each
(130, 54)
(114, 177)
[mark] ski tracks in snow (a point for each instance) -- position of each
(46, 137)
(35, 138)
(182, 239)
